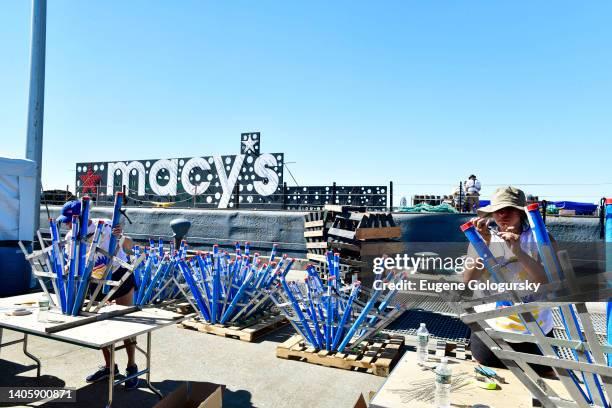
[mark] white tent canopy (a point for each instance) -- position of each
(17, 192)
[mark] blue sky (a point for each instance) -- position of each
(421, 93)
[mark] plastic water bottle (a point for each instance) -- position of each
(422, 343)
(443, 384)
(43, 309)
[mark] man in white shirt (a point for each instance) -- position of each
(472, 192)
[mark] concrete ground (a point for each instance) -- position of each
(252, 373)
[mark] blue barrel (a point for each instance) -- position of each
(15, 271)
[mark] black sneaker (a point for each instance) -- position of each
(132, 383)
(101, 374)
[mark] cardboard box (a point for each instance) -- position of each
(194, 394)
(567, 212)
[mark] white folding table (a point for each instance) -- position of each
(94, 335)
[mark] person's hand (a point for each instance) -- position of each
(118, 231)
(482, 226)
(512, 239)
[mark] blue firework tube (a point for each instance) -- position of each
(298, 311)
(112, 242)
(608, 237)
(83, 227)
(203, 271)
(554, 273)
(273, 252)
(488, 259)
(160, 247)
(287, 267)
(247, 248)
(387, 299)
(216, 289)
(237, 298)
(91, 259)
(330, 313)
(73, 261)
(482, 249)
(58, 264)
(310, 269)
(346, 314)
(313, 315)
(359, 321)
(545, 248)
(163, 266)
(145, 281)
(184, 268)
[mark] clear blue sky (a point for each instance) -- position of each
(418, 92)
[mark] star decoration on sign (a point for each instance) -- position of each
(250, 143)
(90, 181)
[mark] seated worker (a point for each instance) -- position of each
(503, 226)
(123, 295)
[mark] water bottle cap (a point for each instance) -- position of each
(422, 324)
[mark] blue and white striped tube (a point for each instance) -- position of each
(552, 267)
(144, 281)
(304, 323)
(161, 269)
(347, 312)
(184, 268)
(73, 261)
(330, 314)
(359, 321)
(91, 258)
(482, 250)
(273, 252)
(216, 285)
(491, 265)
(58, 264)
(237, 298)
(554, 273)
(83, 227)
(112, 242)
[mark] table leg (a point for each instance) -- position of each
(155, 390)
(25, 351)
(111, 377)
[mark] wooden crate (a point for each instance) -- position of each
(247, 332)
(377, 356)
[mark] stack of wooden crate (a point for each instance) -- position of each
(357, 235)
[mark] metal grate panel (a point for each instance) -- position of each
(440, 327)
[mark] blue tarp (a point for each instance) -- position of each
(580, 208)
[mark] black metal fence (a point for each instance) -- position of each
(285, 198)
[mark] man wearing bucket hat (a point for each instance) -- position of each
(503, 226)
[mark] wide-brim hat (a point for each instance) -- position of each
(504, 197)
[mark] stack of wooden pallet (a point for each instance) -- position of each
(358, 236)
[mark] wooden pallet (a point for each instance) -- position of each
(377, 356)
(248, 333)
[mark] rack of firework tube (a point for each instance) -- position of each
(76, 273)
(338, 325)
(584, 367)
(230, 292)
